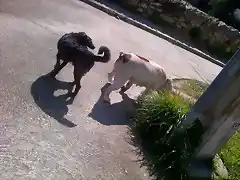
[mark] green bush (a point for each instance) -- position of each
(165, 151)
(195, 33)
(219, 50)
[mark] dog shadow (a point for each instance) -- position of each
(114, 114)
(43, 90)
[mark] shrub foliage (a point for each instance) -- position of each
(165, 150)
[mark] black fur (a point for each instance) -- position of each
(73, 47)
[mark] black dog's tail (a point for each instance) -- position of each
(106, 57)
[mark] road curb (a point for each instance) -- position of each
(142, 26)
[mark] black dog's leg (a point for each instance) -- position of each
(58, 61)
(57, 69)
(75, 75)
(78, 74)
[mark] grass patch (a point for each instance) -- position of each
(191, 87)
(230, 155)
(165, 151)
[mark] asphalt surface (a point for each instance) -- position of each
(43, 137)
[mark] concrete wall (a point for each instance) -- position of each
(205, 30)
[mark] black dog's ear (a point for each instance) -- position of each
(121, 54)
(83, 34)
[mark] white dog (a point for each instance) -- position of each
(132, 69)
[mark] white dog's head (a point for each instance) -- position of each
(123, 57)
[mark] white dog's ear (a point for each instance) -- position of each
(121, 54)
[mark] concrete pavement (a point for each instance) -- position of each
(36, 138)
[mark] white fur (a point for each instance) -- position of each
(136, 71)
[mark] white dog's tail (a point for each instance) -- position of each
(168, 85)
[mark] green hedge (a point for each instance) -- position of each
(165, 152)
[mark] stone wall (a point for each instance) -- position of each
(206, 31)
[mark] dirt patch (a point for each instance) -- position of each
(190, 88)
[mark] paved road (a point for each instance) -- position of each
(36, 141)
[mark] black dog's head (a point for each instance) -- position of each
(85, 40)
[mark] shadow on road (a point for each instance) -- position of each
(115, 114)
(42, 91)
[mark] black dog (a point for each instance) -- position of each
(67, 46)
(73, 47)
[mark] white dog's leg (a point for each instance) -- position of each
(111, 76)
(147, 91)
(127, 86)
(117, 84)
